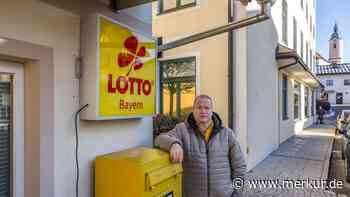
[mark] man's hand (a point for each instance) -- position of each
(176, 153)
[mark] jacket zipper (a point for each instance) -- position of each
(208, 167)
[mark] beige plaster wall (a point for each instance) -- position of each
(35, 22)
(211, 54)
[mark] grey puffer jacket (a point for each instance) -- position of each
(208, 168)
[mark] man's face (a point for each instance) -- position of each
(202, 110)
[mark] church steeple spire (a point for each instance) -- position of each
(335, 34)
(335, 46)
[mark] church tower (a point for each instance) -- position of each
(335, 47)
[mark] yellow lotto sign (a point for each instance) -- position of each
(127, 72)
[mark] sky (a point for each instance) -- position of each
(327, 13)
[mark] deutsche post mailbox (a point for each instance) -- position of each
(138, 172)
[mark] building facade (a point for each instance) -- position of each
(39, 45)
(281, 64)
(206, 64)
(334, 74)
(270, 104)
(336, 79)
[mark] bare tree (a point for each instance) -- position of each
(172, 73)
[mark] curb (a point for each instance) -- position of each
(324, 175)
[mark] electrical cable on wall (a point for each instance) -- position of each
(76, 148)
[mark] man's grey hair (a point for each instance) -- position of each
(202, 96)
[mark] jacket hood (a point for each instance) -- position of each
(215, 118)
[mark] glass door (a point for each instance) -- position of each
(5, 134)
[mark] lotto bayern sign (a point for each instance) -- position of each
(127, 72)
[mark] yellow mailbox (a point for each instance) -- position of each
(138, 172)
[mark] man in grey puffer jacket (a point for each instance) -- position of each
(210, 153)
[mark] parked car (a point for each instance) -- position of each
(342, 120)
(342, 128)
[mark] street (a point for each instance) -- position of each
(337, 168)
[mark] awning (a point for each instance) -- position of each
(290, 62)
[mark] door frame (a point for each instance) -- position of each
(39, 114)
(336, 98)
(16, 70)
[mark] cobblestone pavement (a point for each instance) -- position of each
(303, 157)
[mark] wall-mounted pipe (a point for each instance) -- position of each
(231, 67)
(216, 31)
(226, 28)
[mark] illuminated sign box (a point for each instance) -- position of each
(119, 71)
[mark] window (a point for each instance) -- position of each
(296, 100)
(310, 60)
(307, 12)
(315, 63)
(284, 97)
(302, 3)
(285, 22)
(307, 55)
(334, 46)
(295, 34)
(329, 83)
(306, 102)
(177, 86)
(313, 103)
(310, 23)
(166, 6)
(302, 45)
(347, 82)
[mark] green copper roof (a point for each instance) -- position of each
(335, 34)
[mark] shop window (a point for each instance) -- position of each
(306, 102)
(166, 6)
(296, 100)
(284, 97)
(177, 87)
(313, 100)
